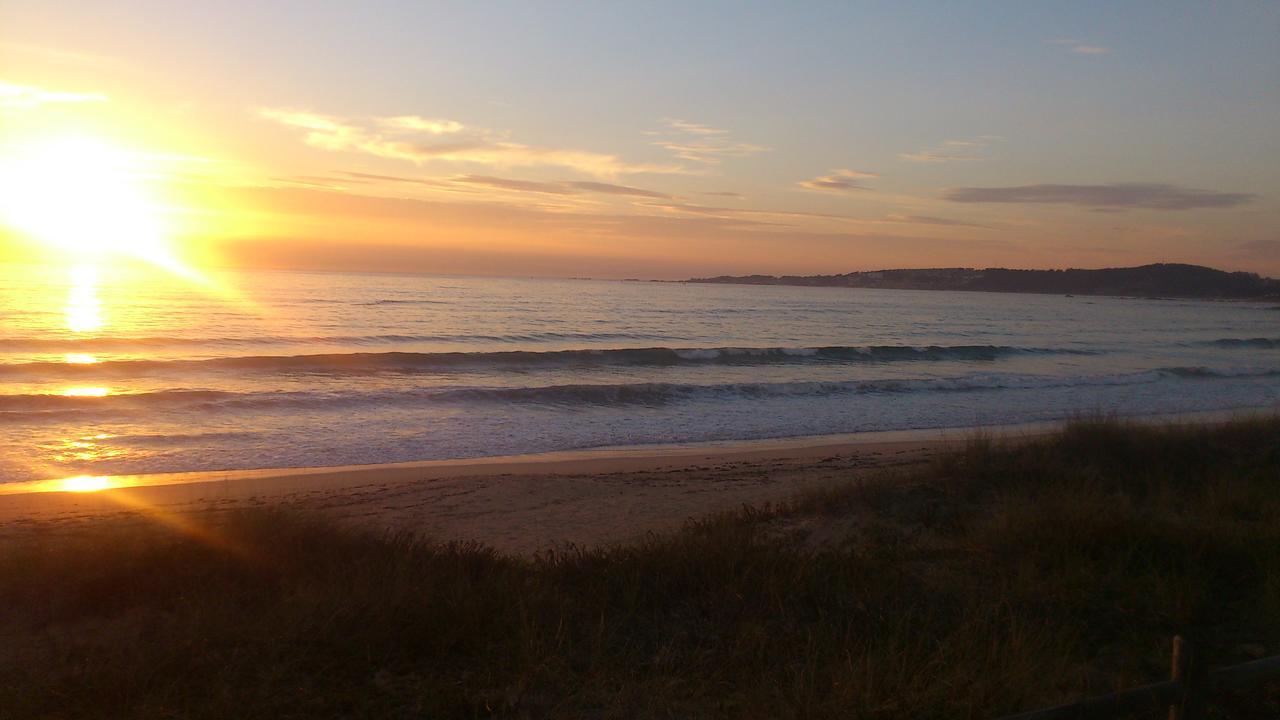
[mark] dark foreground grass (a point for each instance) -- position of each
(1003, 579)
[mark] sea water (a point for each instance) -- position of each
(104, 373)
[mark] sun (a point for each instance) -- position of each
(86, 198)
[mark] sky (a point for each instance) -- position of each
(656, 140)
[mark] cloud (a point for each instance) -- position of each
(1080, 48)
(701, 143)
(27, 97)
(692, 128)
(314, 181)
(840, 180)
(411, 138)
(732, 213)
(367, 177)
(724, 213)
(611, 189)
(1153, 196)
(413, 123)
(951, 151)
(520, 185)
(931, 220)
(563, 187)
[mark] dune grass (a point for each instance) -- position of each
(1000, 579)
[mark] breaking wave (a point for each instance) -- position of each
(358, 363)
(1257, 342)
(104, 344)
(27, 407)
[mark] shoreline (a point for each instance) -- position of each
(530, 504)
(515, 507)
(621, 457)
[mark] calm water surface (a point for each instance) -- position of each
(106, 373)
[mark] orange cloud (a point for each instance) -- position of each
(840, 180)
(951, 151)
(395, 138)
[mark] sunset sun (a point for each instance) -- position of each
(87, 198)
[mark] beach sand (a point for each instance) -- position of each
(518, 505)
(521, 504)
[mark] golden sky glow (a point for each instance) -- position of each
(824, 149)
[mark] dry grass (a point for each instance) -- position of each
(1003, 578)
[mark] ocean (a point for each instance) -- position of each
(103, 372)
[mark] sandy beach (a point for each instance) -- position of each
(519, 505)
(522, 504)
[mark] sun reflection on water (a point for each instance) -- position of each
(81, 449)
(80, 359)
(86, 392)
(84, 309)
(83, 483)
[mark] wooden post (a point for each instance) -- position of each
(1189, 670)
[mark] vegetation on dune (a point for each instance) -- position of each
(1001, 579)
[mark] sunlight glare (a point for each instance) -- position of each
(86, 392)
(87, 198)
(84, 310)
(84, 483)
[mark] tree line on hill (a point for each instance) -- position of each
(1157, 280)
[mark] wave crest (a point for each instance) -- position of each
(26, 407)
(1257, 342)
(358, 363)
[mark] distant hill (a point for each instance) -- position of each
(1159, 280)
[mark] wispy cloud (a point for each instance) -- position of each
(701, 143)
(931, 220)
(313, 181)
(28, 97)
(373, 177)
(952, 151)
(839, 180)
(692, 128)
(414, 123)
(777, 217)
(512, 184)
(611, 189)
(1079, 47)
(418, 140)
(561, 187)
(736, 215)
(1152, 196)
